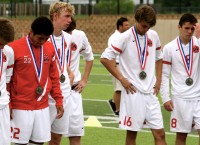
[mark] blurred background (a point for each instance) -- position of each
(97, 18)
(15, 8)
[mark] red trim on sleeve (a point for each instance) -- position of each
(10, 66)
(158, 48)
(167, 62)
(117, 49)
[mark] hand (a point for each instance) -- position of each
(128, 86)
(169, 106)
(156, 88)
(80, 86)
(60, 111)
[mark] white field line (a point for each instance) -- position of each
(97, 100)
(115, 120)
(116, 128)
(91, 84)
(93, 74)
(148, 131)
(106, 80)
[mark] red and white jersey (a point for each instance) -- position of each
(6, 69)
(114, 36)
(25, 78)
(80, 45)
(62, 44)
(126, 47)
(175, 69)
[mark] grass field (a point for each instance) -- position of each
(99, 89)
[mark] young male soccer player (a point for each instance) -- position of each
(35, 74)
(181, 65)
(139, 51)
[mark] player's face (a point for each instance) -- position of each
(125, 26)
(38, 40)
(186, 31)
(142, 27)
(62, 20)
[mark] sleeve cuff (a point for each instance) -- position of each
(165, 99)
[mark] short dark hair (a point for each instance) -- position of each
(42, 25)
(187, 17)
(146, 13)
(120, 22)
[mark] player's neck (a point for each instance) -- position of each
(57, 32)
(184, 41)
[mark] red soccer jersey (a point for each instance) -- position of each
(25, 78)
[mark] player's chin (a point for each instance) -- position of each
(66, 26)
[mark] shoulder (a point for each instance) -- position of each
(153, 33)
(18, 43)
(7, 50)
(78, 32)
(66, 35)
(126, 35)
(171, 44)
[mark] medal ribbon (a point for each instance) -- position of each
(68, 56)
(37, 69)
(61, 58)
(1, 62)
(141, 54)
(187, 64)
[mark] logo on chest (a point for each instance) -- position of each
(195, 49)
(46, 58)
(73, 47)
(149, 42)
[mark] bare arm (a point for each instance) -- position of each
(110, 65)
(158, 76)
(71, 75)
(83, 82)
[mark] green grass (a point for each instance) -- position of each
(99, 89)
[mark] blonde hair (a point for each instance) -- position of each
(59, 7)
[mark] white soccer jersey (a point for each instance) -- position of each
(114, 36)
(173, 64)
(80, 45)
(5, 74)
(125, 46)
(62, 63)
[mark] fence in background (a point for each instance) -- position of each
(99, 28)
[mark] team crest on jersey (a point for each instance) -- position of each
(149, 42)
(73, 46)
(195, 49)
(4, 58)
(46, 58)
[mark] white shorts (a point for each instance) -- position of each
(31, 125)
(76, 119)
(116, 83)
(138, 109)
(185, 114)
(60, 126)
(5, 126)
